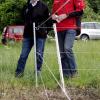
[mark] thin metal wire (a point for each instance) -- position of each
(44, 87)
(81, 69)
(53, 13)
(65, 92)
(57, 27)
(74, 52)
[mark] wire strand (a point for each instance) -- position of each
(53, 13)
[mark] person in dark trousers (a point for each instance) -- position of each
(34, 11)
(66, 18)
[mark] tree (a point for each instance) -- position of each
(49, 3)
(95, 5)
(10, 12)
(1, 1)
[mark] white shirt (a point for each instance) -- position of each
(34, 4)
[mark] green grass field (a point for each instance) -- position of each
(88, 63)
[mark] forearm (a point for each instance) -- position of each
(75, 14)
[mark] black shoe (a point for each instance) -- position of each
(67, 76)
(75, 74)
(19, 74)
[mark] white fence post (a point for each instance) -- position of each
(35, 58)
(59, 62)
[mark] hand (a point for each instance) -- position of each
(54, 17)
(62, 17)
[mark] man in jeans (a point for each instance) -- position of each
(66, 29)
(35, 11)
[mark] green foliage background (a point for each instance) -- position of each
(10, 11)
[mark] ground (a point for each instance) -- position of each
(86, 86)
(57, 94)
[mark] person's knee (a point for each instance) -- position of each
(23, 56)
(68, 50)
(39, 56)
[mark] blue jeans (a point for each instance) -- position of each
(66, 41)
(26, 48)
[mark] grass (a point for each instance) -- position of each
(87, 55)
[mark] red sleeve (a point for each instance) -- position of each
(54, 8)
(79, 5)
(56, 5)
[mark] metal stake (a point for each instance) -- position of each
(59, 62)
(35, 58)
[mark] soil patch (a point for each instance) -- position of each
(57, 94)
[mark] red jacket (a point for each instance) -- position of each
(71, 6)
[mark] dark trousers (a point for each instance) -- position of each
(66, 41)
(26, 48)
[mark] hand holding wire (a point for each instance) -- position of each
(59, 18)
(55, 17)
(62, 17)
